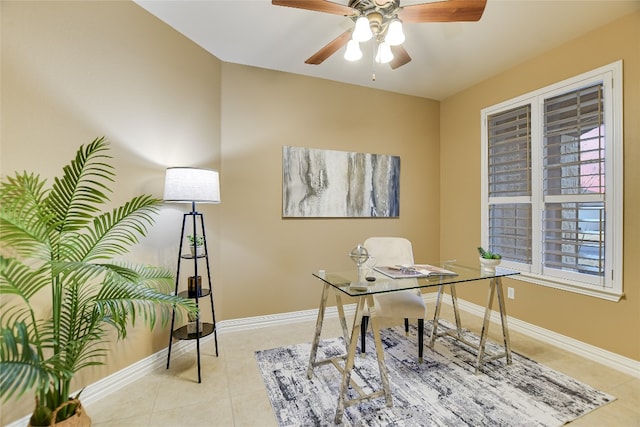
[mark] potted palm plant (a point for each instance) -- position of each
(58, 241)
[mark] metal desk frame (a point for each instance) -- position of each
(365, 298)
(349, 357)
(495, 287)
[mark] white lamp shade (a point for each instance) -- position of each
(362, 31)
(395, 35)
(353, 52)
(186, 185)
(384, 54)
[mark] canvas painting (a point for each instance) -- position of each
(329, 183)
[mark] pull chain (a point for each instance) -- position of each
(373, 62)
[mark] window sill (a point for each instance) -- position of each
(602, 293)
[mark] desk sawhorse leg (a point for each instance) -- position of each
(349, 358)
(495, 287)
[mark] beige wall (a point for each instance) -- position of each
(73, 71)
(611, 326)
(266, 260)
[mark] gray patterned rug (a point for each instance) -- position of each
(442, 391)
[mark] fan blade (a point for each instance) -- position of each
(329, 49)
(444, 11)
(400, 57)
(317, 5)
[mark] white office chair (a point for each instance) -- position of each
(408, 304)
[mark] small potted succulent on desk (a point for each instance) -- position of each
(489, 260)
(196, 244)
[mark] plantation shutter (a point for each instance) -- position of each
(574, 182)
(509, 181)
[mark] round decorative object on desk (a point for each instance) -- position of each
(359, 255)
(489, 264)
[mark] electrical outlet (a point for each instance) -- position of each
(511, 293)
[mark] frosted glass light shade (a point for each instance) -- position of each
(353, 52)
(186, 185)
(395, 35)
(384, 54)
(362, 31)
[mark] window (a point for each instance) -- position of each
(552, 183)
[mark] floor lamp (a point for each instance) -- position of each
(192, 185)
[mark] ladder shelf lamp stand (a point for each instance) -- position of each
(191, 185)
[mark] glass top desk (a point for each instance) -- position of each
(340, 284)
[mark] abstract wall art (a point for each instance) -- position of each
(339, 184)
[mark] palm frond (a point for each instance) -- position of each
(16, 278)
(81, 332)
(25, 221)
(20, 366)
(113, 233)
(126, 300)
(76, 196)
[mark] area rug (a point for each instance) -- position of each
(441, 391)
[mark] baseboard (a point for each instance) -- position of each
(128, 375)
(588, 351)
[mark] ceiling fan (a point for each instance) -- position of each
(382, 20)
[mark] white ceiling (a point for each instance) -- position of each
(447, 57)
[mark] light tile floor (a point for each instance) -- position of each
(232, 392)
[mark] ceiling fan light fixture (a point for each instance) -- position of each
(384, 54)
(362, 31)
(395, 35)
(376, 19)
(353, 52)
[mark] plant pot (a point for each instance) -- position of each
(197, 251)
(79, 419)
(489, 265)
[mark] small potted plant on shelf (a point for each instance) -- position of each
(196, 244)
(489, 260)
(58, 241)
